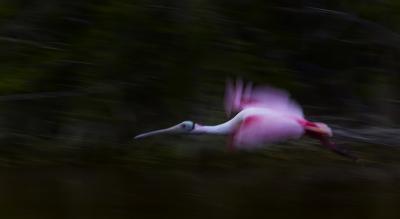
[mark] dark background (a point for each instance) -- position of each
(79, 79)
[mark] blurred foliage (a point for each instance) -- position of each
(78, 79)
(103, 70)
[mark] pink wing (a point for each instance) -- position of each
(239, 97)
(256, 130)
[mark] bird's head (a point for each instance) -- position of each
(318, 130)
(184, 127)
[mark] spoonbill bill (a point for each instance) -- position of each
(262, 115)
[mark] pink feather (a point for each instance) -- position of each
(256, 130)
(238, 99)
(269, 115)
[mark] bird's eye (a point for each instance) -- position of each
(183, 126)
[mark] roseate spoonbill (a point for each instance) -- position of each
(264, 115)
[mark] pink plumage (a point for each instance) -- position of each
(238, 98)
(267, 115)
(263, 115)
(256, 131)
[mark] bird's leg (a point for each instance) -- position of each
(333, 147)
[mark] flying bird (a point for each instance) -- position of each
(262, 115)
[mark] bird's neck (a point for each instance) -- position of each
(211, 129)
(220, 129)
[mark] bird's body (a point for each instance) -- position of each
(264, 115)
(255, 126)
(261, 126)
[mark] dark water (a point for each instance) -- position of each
(282, 182)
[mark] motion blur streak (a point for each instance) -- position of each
(79, 78)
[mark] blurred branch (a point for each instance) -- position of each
(27, 42)
(41, 95)
(215, 15)
(391, 38)
(95, 89)
(372, 135)
(76, 62)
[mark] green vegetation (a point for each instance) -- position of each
(78, 79)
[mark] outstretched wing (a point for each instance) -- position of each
(256, 130)
(239, 96)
